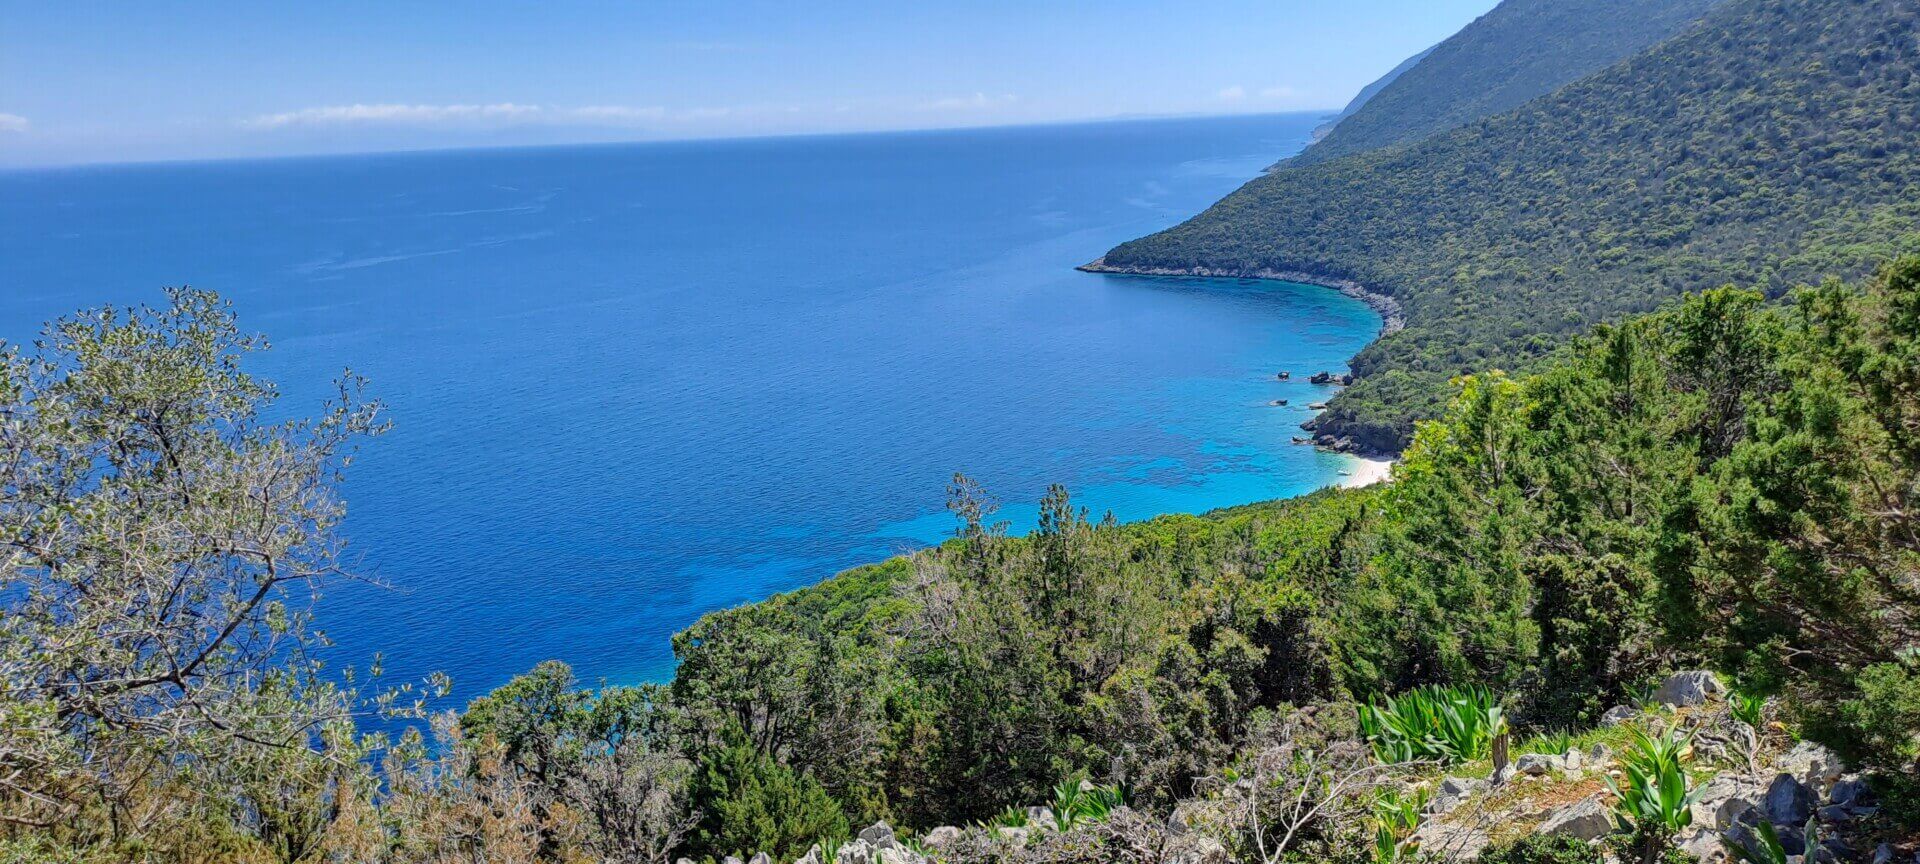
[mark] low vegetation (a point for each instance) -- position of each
(1725, 482)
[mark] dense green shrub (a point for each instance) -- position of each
(752, 803)
(1543, 849)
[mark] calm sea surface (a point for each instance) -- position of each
(631, 384)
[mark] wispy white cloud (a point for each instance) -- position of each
(973, 102)
(341, 115)
(616, 114)
(499, 114)
(13, 123)
(1231, 94)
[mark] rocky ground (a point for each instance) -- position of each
(1820, 812)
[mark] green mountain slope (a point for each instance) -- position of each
(1739, 151)
(1367, 93)
(1521, 50)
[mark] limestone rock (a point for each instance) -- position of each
(1586, 819)
(854, 852)
(1702, 843)
(1453, 792)
(1451, 842)
(898, 854)
(941, 836)
(1851, 792)
(1724, 798)
(760, 858)
(1811, 763)
(878, 835)
(1537, 764)
(1040, 817)
(1016, 836)
(1788, 801)
(1686, 689)
(1618, 714)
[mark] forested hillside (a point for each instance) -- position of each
(1368, 92)
(1774, 142)
(1726, 483)
(1520, 50)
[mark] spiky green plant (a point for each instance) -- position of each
(1554, 741)
(1751, 710)
(1076, 802)
(1770, 851)
(1012, 817)
(1396, 816)
(1444, 724)
(1655, 802)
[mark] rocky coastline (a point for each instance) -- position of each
(1391, 318)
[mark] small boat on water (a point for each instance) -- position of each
(1284, 375)
(1318, 406)
(1278, 403)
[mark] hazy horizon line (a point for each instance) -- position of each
(35, 167)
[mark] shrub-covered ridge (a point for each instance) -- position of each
(1771, 143)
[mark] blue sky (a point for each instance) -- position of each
(117, 81)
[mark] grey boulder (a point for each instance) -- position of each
(1687, 689)
(941, 836)
(1538, 764)
(1812, 763)
(1788, 801)
(1618, 714)
(1585, 820)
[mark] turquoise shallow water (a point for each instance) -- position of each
(630, 384)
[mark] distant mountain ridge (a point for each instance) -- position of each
(1368, 92)
(1776, 141)
(1521, 50)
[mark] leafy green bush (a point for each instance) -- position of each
(1539, 849)
(1446, 724)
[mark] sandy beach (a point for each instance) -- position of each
(1366, 472)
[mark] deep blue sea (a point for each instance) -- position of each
(631, 384)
